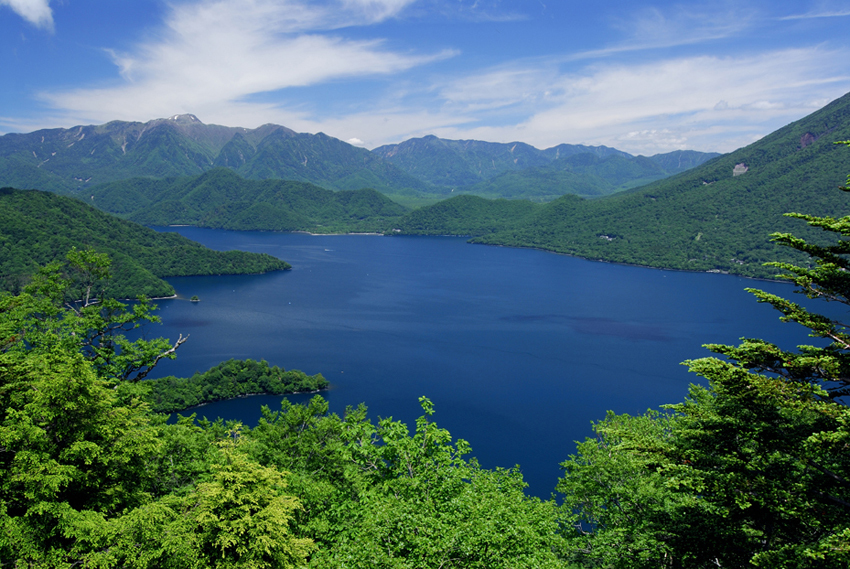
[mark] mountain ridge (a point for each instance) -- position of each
(75, 159)
(458, 164)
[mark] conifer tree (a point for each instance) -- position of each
(754, 469)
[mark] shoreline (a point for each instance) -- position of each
(624, 264)
(245, 396)
(471, 237)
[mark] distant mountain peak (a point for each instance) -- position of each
(185, 119)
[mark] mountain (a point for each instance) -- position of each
(586, 174)
(75, 159)
(221, 199)
(714, 217)
(447, 163)
(518, 170)
(39, 227)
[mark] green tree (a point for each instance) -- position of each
(89, 476)
(753, 470)
(69, 305)
(424, 505)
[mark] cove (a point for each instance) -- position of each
(518, 349)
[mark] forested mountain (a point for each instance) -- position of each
(221, 199)
(40, 227)
(518, 170)
(717, 216)
(68, 160)
(586, 174)
(76, 159)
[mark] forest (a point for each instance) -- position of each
(752, 470)
(37, 228)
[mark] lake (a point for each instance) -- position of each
(518, 349)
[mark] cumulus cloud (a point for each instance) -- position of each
(36, 12)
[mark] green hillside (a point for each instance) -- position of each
(585, 174)
(706, 219)
(223, 200)
(451, 163)
(39, 227)
(75, 160)
(467, 215)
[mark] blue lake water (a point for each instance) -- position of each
(518, 349)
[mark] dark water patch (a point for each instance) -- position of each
(595, 326)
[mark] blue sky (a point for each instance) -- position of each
(644, 77)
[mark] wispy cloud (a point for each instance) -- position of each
(36, 12)
(652, 28)
(215, 55)
(467, 10)
(696, 99)
(814, 15)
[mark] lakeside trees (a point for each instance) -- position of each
(753, 470)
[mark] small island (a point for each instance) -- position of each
(195, 298)
(228, 380)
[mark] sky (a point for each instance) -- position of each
(643, 77)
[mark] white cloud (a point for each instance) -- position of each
(213, 56)
(36, 12)
(813, 15)
(691, 101)
(652, 28)
(377, 10)
(243, 62)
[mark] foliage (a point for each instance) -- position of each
(51, 316)
(377, 496)
(753, 470)
(90, 476)
(37, 228)
(466, 215)
(227, 380)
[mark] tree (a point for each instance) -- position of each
(420, 504)
(89, 476)
(68, 303)
(754, 469)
